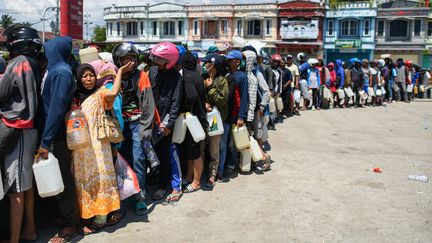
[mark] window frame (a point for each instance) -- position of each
(223, 27)
(415, 32)
(154, 28)
(349, 28)
(195, 27)
(268, 26)
(168, 28)
(254, 28)
(132, 28)
(381, 34)
(180, 28)
(397, 23)
(142, 28)
(215, 27)
(330, 23)
(239, 27)
(118, 29)
(367, 26)
(429, 29)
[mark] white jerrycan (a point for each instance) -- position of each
(195, 127)
(180, 127)
(48, 178)
(241, 137)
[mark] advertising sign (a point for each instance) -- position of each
(299, 29)
(348, 43)
(71, 18)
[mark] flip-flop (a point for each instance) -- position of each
(174, 197)
(189, 189)
(140, 208)
(159, 195)
(65, 238)
(94, 228)
(115, 217)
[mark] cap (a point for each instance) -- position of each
(289, 56)
(365, 60)
(235, 55)
(212, 49)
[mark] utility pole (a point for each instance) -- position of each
(87, 22)
(57, 32)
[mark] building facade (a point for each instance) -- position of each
(427, 57)
(147, 24)
(300, 27)
(402, 29)
(349, 31)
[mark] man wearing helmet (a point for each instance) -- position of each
(138, 114)
(19, 97)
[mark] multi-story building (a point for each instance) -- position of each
(147, 24)
(401, 29)
(300, 27)
(427, 57)
(349, 30)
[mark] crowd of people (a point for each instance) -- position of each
(42, 84)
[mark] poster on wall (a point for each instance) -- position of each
(299, 29)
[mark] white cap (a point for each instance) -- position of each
(384, 56)
(312, 61)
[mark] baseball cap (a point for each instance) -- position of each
(212, 49)
(289, 56)
(235, 55)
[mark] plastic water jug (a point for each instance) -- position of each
(371, 92)
(310, 94)
(415, 90)
(88, 55)
(297, 95)
(195, 127)
(272, 105)
(180, 127)
(279, 103)
(1, 187)
(48, 178)
(341, 93)
(245, 160)
(241, 137)
(379, 92)
(410, 88)
(215, 122)
(326, 93)
(77, 130)
(349, 92)
(422, 88)
(255, 150)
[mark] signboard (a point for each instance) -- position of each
(71, 18)
(299, 29)
(348, 43)
(346, 13)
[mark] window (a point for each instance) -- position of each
(142, 28)
(398, 28)
(330, 27)
(154, 27)
(195, 27)
(239, 28)
(268, 27)
(180, 28)
(224, 27)
(380, 31)
(417, 27)
(366, 26)
(349, 28)
(210, 28)
(429, 33)
(110, 29)
(132, 28)
(254, 27)
(118, 28)
(169, 28)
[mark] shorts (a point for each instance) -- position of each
(304, 89)
(191, 148)
(18, 171)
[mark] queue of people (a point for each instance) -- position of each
(137, 112)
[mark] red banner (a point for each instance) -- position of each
(71, 18)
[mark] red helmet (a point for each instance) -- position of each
(408, 63)
(276, 57)
(165, 52)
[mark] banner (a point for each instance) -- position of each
(299, 29)
(348, 43)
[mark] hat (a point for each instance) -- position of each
(365, 60)
(235, 55)
(249, 48)
(212, 49)
(289, 57)
(384, 56)
(312, 61)
(211, 57)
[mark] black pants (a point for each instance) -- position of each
(356, 90)
(163, 153)
(315, 97)
(67, 200)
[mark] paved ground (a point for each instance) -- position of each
(320, 189)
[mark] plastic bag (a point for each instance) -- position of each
(126, 178)
(297, 94)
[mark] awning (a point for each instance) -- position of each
(400, 48)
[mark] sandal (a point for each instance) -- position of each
(59, 238)
(159, 194)
(189, 189)
(174, 197)
(211, 184)
(92, 228)
(115, 217)
(140, 208)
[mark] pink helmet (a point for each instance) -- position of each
(166, 51)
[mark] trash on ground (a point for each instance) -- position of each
(421, 178)
(418, 164)
(377, 170)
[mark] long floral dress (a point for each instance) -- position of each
(95, 177)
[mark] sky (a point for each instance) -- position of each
(31, 10)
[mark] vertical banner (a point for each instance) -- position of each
(71, 18)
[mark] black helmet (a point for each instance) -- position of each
(22, 40)
(122, 50)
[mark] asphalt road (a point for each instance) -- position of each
(320, 189)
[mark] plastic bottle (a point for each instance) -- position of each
(421, 178)
(48, 178)
(195, 127)
(151, 154)
(77, 130)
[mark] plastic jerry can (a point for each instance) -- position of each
(349, 92)
(245, 160)
(215, 122)
(77, 134)
(272, 105)
(415, 90)
(180, 127)
(255, 150)
(241, 137)
(341, 93)
(326, 93)
(195, 127)
(88, 55)
(371, 92)
(1, 187)
(410, 88)
(48, 178)
(279, 103)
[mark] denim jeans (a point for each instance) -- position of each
(133, 152)
(390, 89)
(224, 147)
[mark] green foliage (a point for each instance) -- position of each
(99, 34)
(6, 21)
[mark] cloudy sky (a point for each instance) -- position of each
(31, 10)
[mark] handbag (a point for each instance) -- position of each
(108, 128)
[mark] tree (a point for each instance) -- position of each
(6, 21)
(99, 34)
(26, 23)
